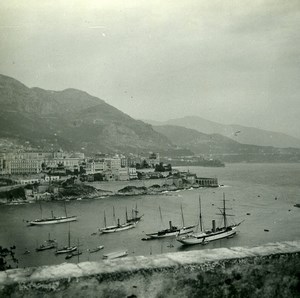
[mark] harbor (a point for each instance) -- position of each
(257, 194)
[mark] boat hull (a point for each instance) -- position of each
(176, 233)
(117, 229)
(66, 250)
(45, 247)
(53, 221)
(96, 249)
(115, 255)
(204, 238)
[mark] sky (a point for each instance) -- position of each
(233, 62)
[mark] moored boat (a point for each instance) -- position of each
(73, 254)
(115, 255)
(117, 227)
(95, 249)
(172, 230)
(203, 237)
(53, 219)
(48, 244)
(67, 249)
(135, 217)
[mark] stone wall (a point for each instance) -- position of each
(272, 270)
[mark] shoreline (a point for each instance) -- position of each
(86, 192)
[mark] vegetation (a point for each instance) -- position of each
(7, 258)
(163, 168)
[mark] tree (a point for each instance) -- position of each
(7, 258)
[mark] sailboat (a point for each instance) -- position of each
(172, 230)
(48, 244)
(117, 227)
(75, 253)
(67, 249)
(203, 237)
(135, 218)
(53, 219)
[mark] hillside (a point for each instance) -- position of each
(239, 133)
(71, 119)
(223, 148)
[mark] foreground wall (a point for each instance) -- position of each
(272, 270)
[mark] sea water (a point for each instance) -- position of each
(260, 195)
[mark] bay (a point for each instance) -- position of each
(266, 192)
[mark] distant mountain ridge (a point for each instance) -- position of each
(239, 133)
(220, 147)
(71, 119)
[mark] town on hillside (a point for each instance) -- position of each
(31, 175)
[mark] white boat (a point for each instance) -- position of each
(95, 249)
(116, 228)
(53, 219)
(115, 255)
(67, 249)
(203, 237)
(172, 230)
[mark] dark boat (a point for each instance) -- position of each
(172, 230)
(135, 218)
(48, 244)
(66, 249)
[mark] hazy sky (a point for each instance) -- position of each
(226, 61)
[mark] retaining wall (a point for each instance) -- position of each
(272, 270)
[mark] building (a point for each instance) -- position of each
(113, 163)
(23, 163)
(153, 159)
(95, 166)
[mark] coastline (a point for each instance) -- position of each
(94, 190)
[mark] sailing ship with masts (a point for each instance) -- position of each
(172, 230)
(203, 237)
(53, 219)
(116, 227)
(135, 217)
(48, 244)
(67, 249)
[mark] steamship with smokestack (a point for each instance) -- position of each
(203, 237)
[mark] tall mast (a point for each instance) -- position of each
(41, 209)
(78, 250)
(104, 219)
(161, 219)
(69, 237)
(136, 211)
(200, 215)
(182, 216)
(224, 211)
(65, 209)
(114, 215)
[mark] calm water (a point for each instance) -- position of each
(249, 188)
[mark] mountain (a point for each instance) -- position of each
(227, 150)
(71, 119)
(242, 134)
